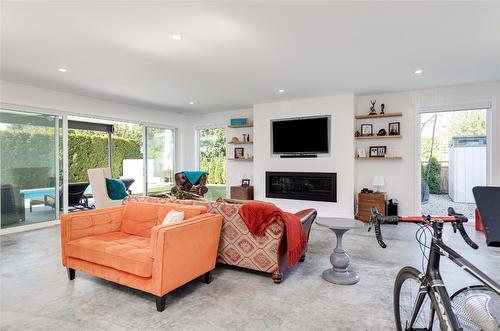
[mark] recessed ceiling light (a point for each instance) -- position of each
(191, 102)
(176, 37)
(281, 91)
(418, 72)
(62, 70)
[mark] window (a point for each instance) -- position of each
(160, 163)
(212, 159)
(29, 165)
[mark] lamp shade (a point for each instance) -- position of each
(378, 181)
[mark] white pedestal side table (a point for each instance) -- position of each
(341, 272)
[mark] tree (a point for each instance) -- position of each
(213, 154)
(467, 123)
(434, 180)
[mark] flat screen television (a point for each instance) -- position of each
(304, 135)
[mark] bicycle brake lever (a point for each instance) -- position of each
(453, 225)
(465, 236)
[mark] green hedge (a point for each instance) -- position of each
(216, 168)
(88, 151)
(27, 158)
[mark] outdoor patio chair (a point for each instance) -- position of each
(76, 198)
(12, 210)
(128, 182)
(97, 178)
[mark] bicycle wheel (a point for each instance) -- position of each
(477, 308)
(406, 289)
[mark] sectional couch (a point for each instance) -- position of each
(238, 247)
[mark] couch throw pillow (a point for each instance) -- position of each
(116, 189)
(173, 216)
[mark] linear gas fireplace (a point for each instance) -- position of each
(316, 186)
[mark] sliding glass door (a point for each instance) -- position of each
(30, 168)
(160, 153)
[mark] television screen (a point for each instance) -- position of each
(301, 135)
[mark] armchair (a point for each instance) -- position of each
(182, 183)
(97, 178)
(128, 245)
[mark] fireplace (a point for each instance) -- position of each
(315, 186)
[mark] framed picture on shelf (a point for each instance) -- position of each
(394, 129)
(245, 182)
(378, 151)
(361, 152)
(366, 130)
(239, 153)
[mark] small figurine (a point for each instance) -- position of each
(381, 132)
(372, 108)
(357, 134)
(382, 106)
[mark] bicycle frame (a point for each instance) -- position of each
(432, 283)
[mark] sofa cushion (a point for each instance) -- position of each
(139, 217)
(189, 211)
(117, 250)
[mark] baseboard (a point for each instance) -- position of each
(29, 227)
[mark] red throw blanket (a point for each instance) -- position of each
(258, 215)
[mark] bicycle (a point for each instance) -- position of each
(474, 307)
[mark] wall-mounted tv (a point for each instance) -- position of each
(304, 135)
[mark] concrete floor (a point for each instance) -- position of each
(36, 295)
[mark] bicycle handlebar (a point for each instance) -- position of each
(465, 236)
(456, 219)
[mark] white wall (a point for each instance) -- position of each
(30, 96)
(403, 177)
(235, 169)
(340, 160)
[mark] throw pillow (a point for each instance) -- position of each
(173, 216)
(116, 189)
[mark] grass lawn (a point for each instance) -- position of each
(214, 191)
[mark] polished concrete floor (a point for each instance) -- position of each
(36, 295)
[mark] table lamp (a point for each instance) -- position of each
(378, 181)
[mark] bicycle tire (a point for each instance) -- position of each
(405, 274)
(466, 320)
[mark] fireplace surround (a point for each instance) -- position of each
(315, 186)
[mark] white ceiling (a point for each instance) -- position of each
(234, 55)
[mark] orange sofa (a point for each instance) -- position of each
(128, 245)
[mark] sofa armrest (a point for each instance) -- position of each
(88, 223)
(307, 217)
(184, 251)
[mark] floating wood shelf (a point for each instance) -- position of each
(241, 159)
(240, 126)
(361, 117)
(380, 158)
(378, 137)
(240, 142)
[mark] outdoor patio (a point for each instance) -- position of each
(438, 205)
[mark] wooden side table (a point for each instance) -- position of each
(242, 192)
(368, 200)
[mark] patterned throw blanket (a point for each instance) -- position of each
(258, 215)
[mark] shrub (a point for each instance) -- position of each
(434, 180)
(34, 151)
